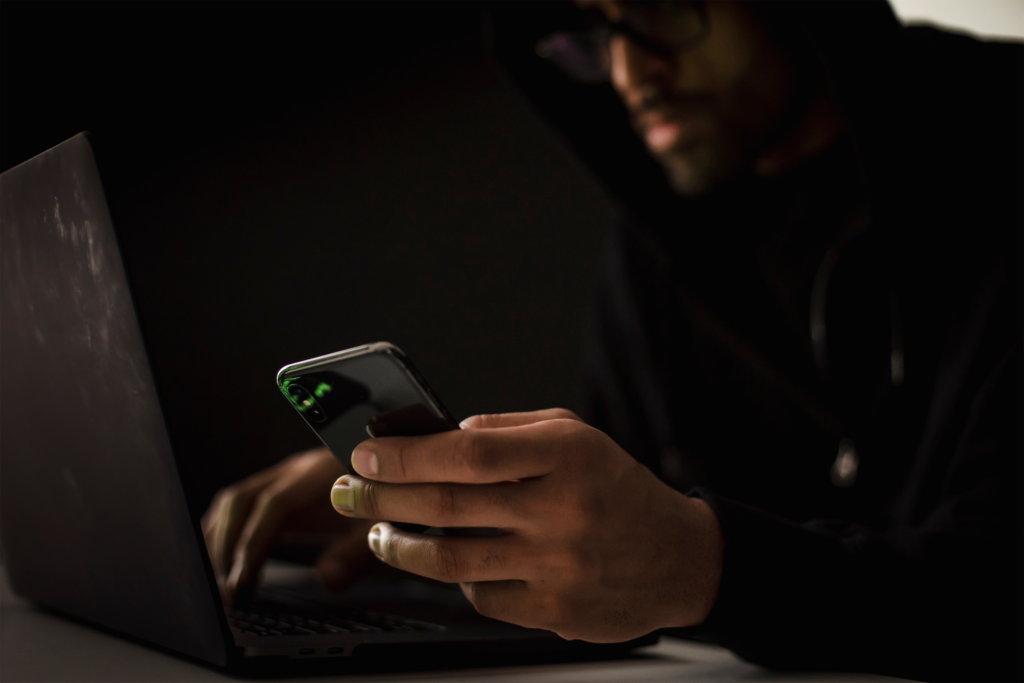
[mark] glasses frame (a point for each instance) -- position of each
(623, 28)
(602, 35)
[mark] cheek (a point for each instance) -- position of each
(716, 68)
(748, 79)
(761, 99)
(741, 117)
(730, 50)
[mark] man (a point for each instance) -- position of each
(810, 331)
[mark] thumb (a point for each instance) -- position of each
(517, 419)
(346, 559)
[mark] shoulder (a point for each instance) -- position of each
(961, 144)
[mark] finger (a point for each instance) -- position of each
(208, 524)
(451, 559)
(224, 519)
(248, 535)
(232, 508)
(474, 456)
(517, 419)
(261, 528)
(309, 472)
(211, 533)
(500, 505)
(346, 559)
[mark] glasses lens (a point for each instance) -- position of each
(661, 26)
(580, 55)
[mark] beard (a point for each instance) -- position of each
(718, 137)
(690, 138)
(703, 166)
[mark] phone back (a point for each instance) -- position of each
(371, 390)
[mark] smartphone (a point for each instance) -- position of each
(370, 390)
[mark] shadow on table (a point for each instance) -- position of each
(422, 658)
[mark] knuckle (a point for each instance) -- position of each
(577, 509)
(225, 497)
(399, 457)
(582, 444)
(269, 503)
(492, 561)
(591, 507)
(587, 437)
(486, 421)
(471, 456)
(235, 504)
(445, 503)
(564, 414)
(575, 566)
(447, 563)
(368, 497)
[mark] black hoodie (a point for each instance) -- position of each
(869, 303)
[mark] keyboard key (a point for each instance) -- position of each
(273, 621)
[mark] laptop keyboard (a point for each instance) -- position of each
(268, 621)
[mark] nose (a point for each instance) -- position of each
(634, 68)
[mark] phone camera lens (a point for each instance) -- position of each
(305, 403)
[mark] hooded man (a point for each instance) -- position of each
(803, 438)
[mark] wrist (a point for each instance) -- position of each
(702, 548)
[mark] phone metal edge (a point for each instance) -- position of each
(362, 350)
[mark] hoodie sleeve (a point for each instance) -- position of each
(940, 599)
(936, 592)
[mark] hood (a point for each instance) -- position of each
(908, 95)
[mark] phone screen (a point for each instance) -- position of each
(368, 390)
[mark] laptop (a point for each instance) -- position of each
(95, 522)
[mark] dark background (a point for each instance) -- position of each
(288, 180)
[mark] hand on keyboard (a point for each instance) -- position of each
(249, 517)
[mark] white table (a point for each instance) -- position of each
(39, 646)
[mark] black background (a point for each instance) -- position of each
(288, 180)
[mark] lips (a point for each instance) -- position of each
(661, 137)
(662, 131)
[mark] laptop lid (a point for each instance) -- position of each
(93, 519)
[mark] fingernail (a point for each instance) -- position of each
(464, 424)
(364, 461)
(343, 498)
(373, 538)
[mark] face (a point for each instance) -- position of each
(705, 112)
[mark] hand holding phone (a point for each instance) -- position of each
(372, 389)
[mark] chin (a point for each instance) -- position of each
(699, 171)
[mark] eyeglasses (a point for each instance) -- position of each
(663, 28)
